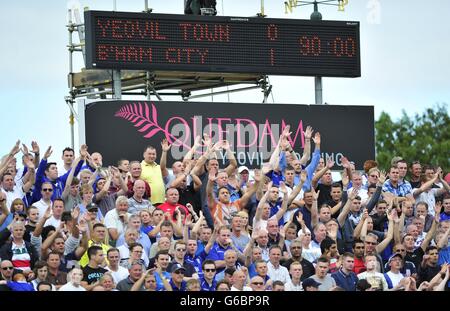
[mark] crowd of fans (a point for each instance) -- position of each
(139, 226)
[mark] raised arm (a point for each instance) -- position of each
(376, 196)
(262, 202)
(190, 154)
(357, 231)
(284, 204)
(70, 178)
(31, 175)
(443, 242)
(307, 149)
(390, 233)
(343, 215)
(209, 189)
(9, 157)
(230, 156)
(314, 208)
(252, 190)
(199, 167)
(426, 186)
(163, 161)
(3, 207)
(430, 233)
(322, 172)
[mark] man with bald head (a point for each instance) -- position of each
(257, 284)
(137, 202)
(239, 280)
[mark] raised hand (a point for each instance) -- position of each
(315, 194)
(207, 140)
(212, 175)
(48, 213)
(352, 195)
(317, 139)
(48, 152)
(257, 175)
(345, 180)
(15, 150)
(283, 187)
(299, 217)
(165, 145)
(82, 225)
(286, 132)
(28, 163)
(382, 177)
(330, 163)
(437, 210)
(308, 132)
(226, 145)
(345, 162)
(75, 213)
(84, 151)
(34, 147)
(24, 149)
(303, 176)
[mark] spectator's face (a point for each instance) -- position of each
(263, 239)
(289, 176)
(278, 288)
(46, 191)
(408, 242)
(42, 273)
(336, 193)
(261, 269)
(192, 246)
(230, 259)
(272, 227)
(7, 269)
(223, 288)
(107, 283)
(257, 284)
(122, 207)
(77, 276)
(296, 271)
(308, 198)
(326, 178)
(84, 177)
(166, 232)
(99, 257)
(356, 180)
(209, 271)
(139, 188)
(194, 287)
(273, 194)
(135, 272)
(381, 209)
(348, 263)
(150, 282)
(178, 276)
(416, 170)
(177, 167)
(434, 256)
(412, 229)
(163, 261)
(275, 256)
(150, 155)
(322, 269)
(224, 236)
(402, 169)
(8, 182)
(124, 166)
(130, 237)
(180, 251)
(18, 232)
(45, 288)
(136, 170)
(135, 223)
(394, 174)
(325, 214)
(291, 234)
(421, 210)
(373, 177)
(87, 196)
(321, 232)
(213, 164)
(97, 158)
(356, 205)
(157, 216)
(52, 172)
(113, 258)
(446, 204)
(419, 224)
(58, 208)
(205, 234)
(136, 253)
(67, 157)
(222, 179)
(236, 223)
(224, 195)
(297, 166)
(172, 196)
(99, 233)
(239, 278)
(358, 250)
(395, 263)
(145, 217)
(58, 245)
(370, 244)
(408, 208)
(53, 261)
(256, 254)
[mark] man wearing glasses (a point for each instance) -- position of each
(208, 281)
(180, 252)
(6, 273)
(176, 282)
(257, 284)
(45, 201)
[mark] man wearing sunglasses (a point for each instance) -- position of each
(6, 273)
(176, 282)
(208, 280)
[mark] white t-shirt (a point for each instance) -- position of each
(69, 287)
(42, 207)
(395, 278)
(290, 287)
(244, 289)
(118, 275)
(16, 193)
(52, 221)
(112, 221)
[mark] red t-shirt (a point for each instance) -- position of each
(167, 207)
(359, 266)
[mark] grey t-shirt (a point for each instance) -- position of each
(326, 284)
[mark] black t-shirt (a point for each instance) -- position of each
(91, 275)
(308, 268)
(189, 195)
(427, 273)
(325, 193)
(190, 270)
(415, 257)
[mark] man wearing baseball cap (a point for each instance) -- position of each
(310, 285)
(393, 277)
(176, 282)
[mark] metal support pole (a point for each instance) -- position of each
(117, 84)
(70, 103)
(317, 80)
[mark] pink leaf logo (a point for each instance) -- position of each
(139, 115)
(147, 122)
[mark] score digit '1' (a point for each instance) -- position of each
(272, 35)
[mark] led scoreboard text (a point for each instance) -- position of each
(142, 41)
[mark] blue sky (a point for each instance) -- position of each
(404, 54)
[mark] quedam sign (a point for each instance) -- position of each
(122, 129)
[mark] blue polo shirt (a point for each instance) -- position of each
(346, 281)
(217, 252)
(159, 282)
(205, 286)
(175, 288)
